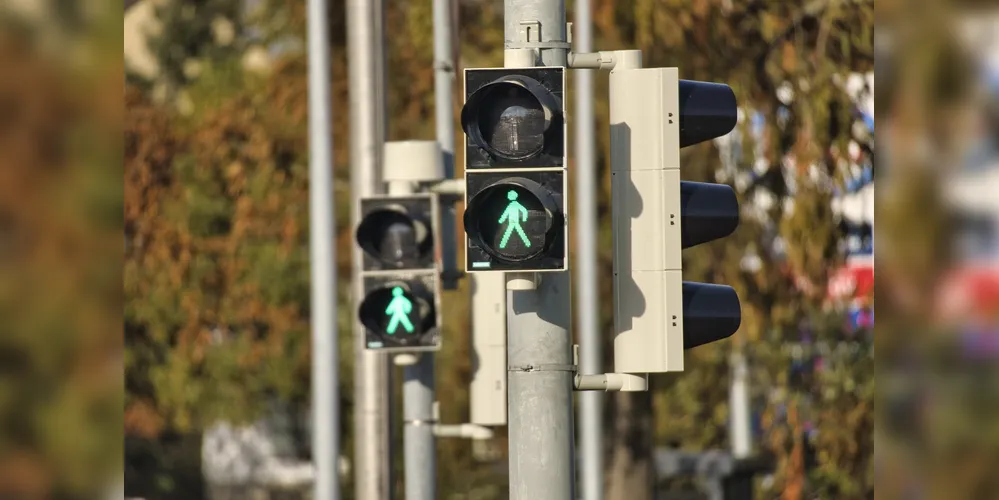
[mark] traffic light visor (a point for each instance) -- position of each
(512, 219)
(710, 313)
(707, 110)
(510, 117)
(708, 212)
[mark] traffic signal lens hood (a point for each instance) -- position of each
(707, 110)
(510, 117)
(707, 212)
(710, 313)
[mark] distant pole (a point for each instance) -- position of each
(539, 344)
(420, 452)
(591, 476)
(444, 74)
(740, 427)
(322, 255)
(372, 443)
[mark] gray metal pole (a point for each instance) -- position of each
(539, 345)
(418, 415)
(540, 390)
(740, 428)
(591, 477)
(322, 255)
(444, 73)
(372, 444)
(420, 454)
(539, 21)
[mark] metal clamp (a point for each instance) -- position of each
(526, 42)
(543, 368)
(420, 422)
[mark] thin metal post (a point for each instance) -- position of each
(591, 477)
(740, 428)
(420, 446)
(372, 444)
(444, 74)
(322, 256)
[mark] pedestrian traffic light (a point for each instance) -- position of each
(656, 215)
(400, 310)
(515, 180)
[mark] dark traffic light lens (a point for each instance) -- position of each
(511, 222)
(393, 238)
(512, 123)
(395, 314)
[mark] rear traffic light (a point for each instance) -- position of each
(657, 315)
(400, 309)
(515, 182)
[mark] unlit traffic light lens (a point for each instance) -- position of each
(513, 122)
(393, 238)
(510, 117)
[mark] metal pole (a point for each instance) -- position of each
(322, 255)
(539, 352)
(527, 22)
(420, 447)
(420, 452)
(444, 73)
(591, 477)
(540, 389)
(740, 428)
(372, 445)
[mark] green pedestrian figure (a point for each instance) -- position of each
(399, 308)
(513, 215)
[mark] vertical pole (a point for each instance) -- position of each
(591, 476)
(372, 446)
(444, 74)
(740, 435)
(539, 348)
(420, 447)
(322, 256)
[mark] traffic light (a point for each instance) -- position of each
(656, 215)
(400, 310)
(515, 179)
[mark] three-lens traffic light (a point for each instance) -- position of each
(515, 182)
(401, 306)
(656, 215)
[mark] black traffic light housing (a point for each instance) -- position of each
(707, 212)
(400, 309)
(515, 180)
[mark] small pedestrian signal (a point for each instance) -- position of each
(513, 215)
(398, 312)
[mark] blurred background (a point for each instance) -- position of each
(215, 351)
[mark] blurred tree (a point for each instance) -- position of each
(216, 223)
(757, 48)
(60, 296)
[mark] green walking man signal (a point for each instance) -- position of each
(512, 216)
(399, 308)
